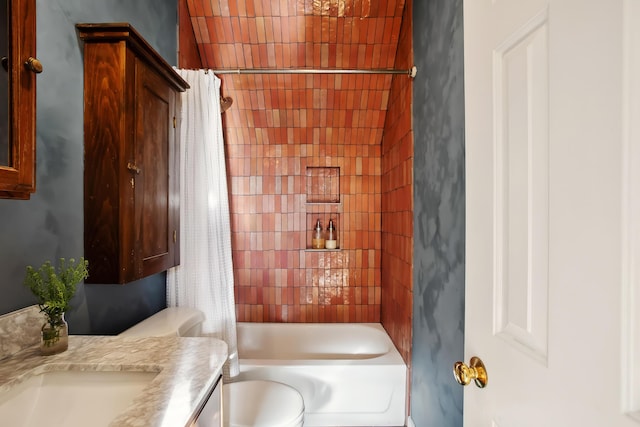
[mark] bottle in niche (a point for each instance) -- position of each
(332, 236)
(317, 239)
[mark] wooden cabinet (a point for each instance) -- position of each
(18, 94)
(131, 188)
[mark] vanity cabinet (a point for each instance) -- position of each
(131, 188)
(211, 414)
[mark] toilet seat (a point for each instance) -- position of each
(258, 403)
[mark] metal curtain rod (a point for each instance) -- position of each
(411, 73)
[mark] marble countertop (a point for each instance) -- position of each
(187, 370)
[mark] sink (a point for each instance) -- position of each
(71, 398)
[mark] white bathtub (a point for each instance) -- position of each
(349, 374)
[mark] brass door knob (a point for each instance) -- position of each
(475, 371)
(34, 65)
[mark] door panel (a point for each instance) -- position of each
(521, 193)
(545, 232)
(155, 151)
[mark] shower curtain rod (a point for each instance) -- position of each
(411, 73)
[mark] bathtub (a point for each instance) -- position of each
(349, 374)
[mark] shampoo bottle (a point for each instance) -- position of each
(332, 236)
(317, 238)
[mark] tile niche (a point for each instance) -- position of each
(323, 202)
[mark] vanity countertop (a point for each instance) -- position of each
(187, 370)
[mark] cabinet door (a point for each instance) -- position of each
(211, 414)
(156, 178)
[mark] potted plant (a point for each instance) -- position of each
(54, 290)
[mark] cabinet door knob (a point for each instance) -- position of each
(34, 65)
(133, 168)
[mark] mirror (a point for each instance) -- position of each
(18, 98)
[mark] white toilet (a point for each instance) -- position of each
(254, 403)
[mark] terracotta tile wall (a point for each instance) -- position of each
(337, 122)
(279, 125)
(188, 54)
(397, 201)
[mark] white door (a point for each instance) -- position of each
(553, 212)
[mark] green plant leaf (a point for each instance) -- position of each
(55, 289)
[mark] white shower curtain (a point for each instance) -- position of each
(204, 279)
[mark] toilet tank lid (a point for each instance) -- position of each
(172, 321)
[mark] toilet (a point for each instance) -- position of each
(250, 403)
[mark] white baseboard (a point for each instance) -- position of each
(410, 422)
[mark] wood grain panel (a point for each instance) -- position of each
(104, 129)
(131, 188)
(18, 178)
(154, 122)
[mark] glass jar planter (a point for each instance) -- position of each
(55, 335)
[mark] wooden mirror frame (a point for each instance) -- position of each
(18, 179)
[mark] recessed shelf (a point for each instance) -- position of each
(324, 217)
(323, 184)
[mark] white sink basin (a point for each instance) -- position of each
(71, 398)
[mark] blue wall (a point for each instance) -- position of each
(50, 225)
(439, 209)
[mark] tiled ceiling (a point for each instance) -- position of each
(306, 34)
(297, 34)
